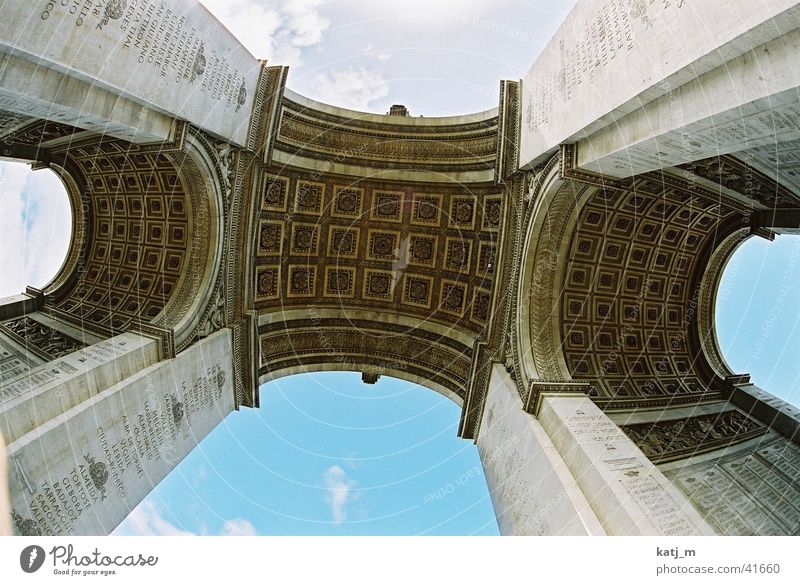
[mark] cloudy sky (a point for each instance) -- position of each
(326, 454)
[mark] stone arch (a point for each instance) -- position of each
(631, 286)
(616, 286)
(401, 346)
(197, 309)
(709, 289)
(375, 242)
(552, 206)
(366, 370)
(147, 231)
(79, 208)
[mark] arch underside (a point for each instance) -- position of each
(387, 226)
(373, 348)
(632, 293)
(143, 240)
(629, 305)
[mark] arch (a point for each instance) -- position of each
(709, 290)
(553, 206)
(631, 286)
(398, 345)
(375, 238)
(81, 229)
(199, 294)
(363, 367)
(611, 276)
(147, 241)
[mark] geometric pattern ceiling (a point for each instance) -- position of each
(140, 234)
(630, 288)
(426, 251)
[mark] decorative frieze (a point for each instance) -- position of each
(42, 339)
(665, 440)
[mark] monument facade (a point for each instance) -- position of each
(550, 265)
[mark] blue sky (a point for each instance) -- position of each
(326, 454)
(758, 314)
(35, 227)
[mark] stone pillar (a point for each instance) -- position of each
(189, 67)
(21, 304)
(85, 469)
(769, 409)
(627, 492)
(49, 390)
(532, 491)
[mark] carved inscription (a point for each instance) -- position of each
(658, 506)
(602, 40)
(593, 428)
(595, 49)
(749, 493)
(61, 369)
(785, 458)
(131, 450)
(12, 363)
(162, 38)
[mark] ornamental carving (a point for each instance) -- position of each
(315, 134)
(426, 251)
(385, 348)
(665, 440)
(630, 290)
(739, 176)
(47, 340)
(140, 238)
(25, 526)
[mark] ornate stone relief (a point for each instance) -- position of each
(708, 293)
(666, 440)
(319, 135)
(139, 233)
(737, 175)
(629, 301)
(421, 250)
(357, 343)
(44, 340)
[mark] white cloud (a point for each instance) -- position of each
(276, 30)
(338, 487)
(379, 56)
(354, 87)
(147, 519)
(13, 178)
(33, 250)
(49, 235)
(238, 527)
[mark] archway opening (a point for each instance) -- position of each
(35, 226)
(327, 455)
(757, 314)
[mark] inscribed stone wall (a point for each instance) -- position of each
(85, 474)
(172, 56)
(754, 490)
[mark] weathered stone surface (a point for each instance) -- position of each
(173, 57)
(626, 491)
(85, 470)
(611, 57)
(532, 491)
